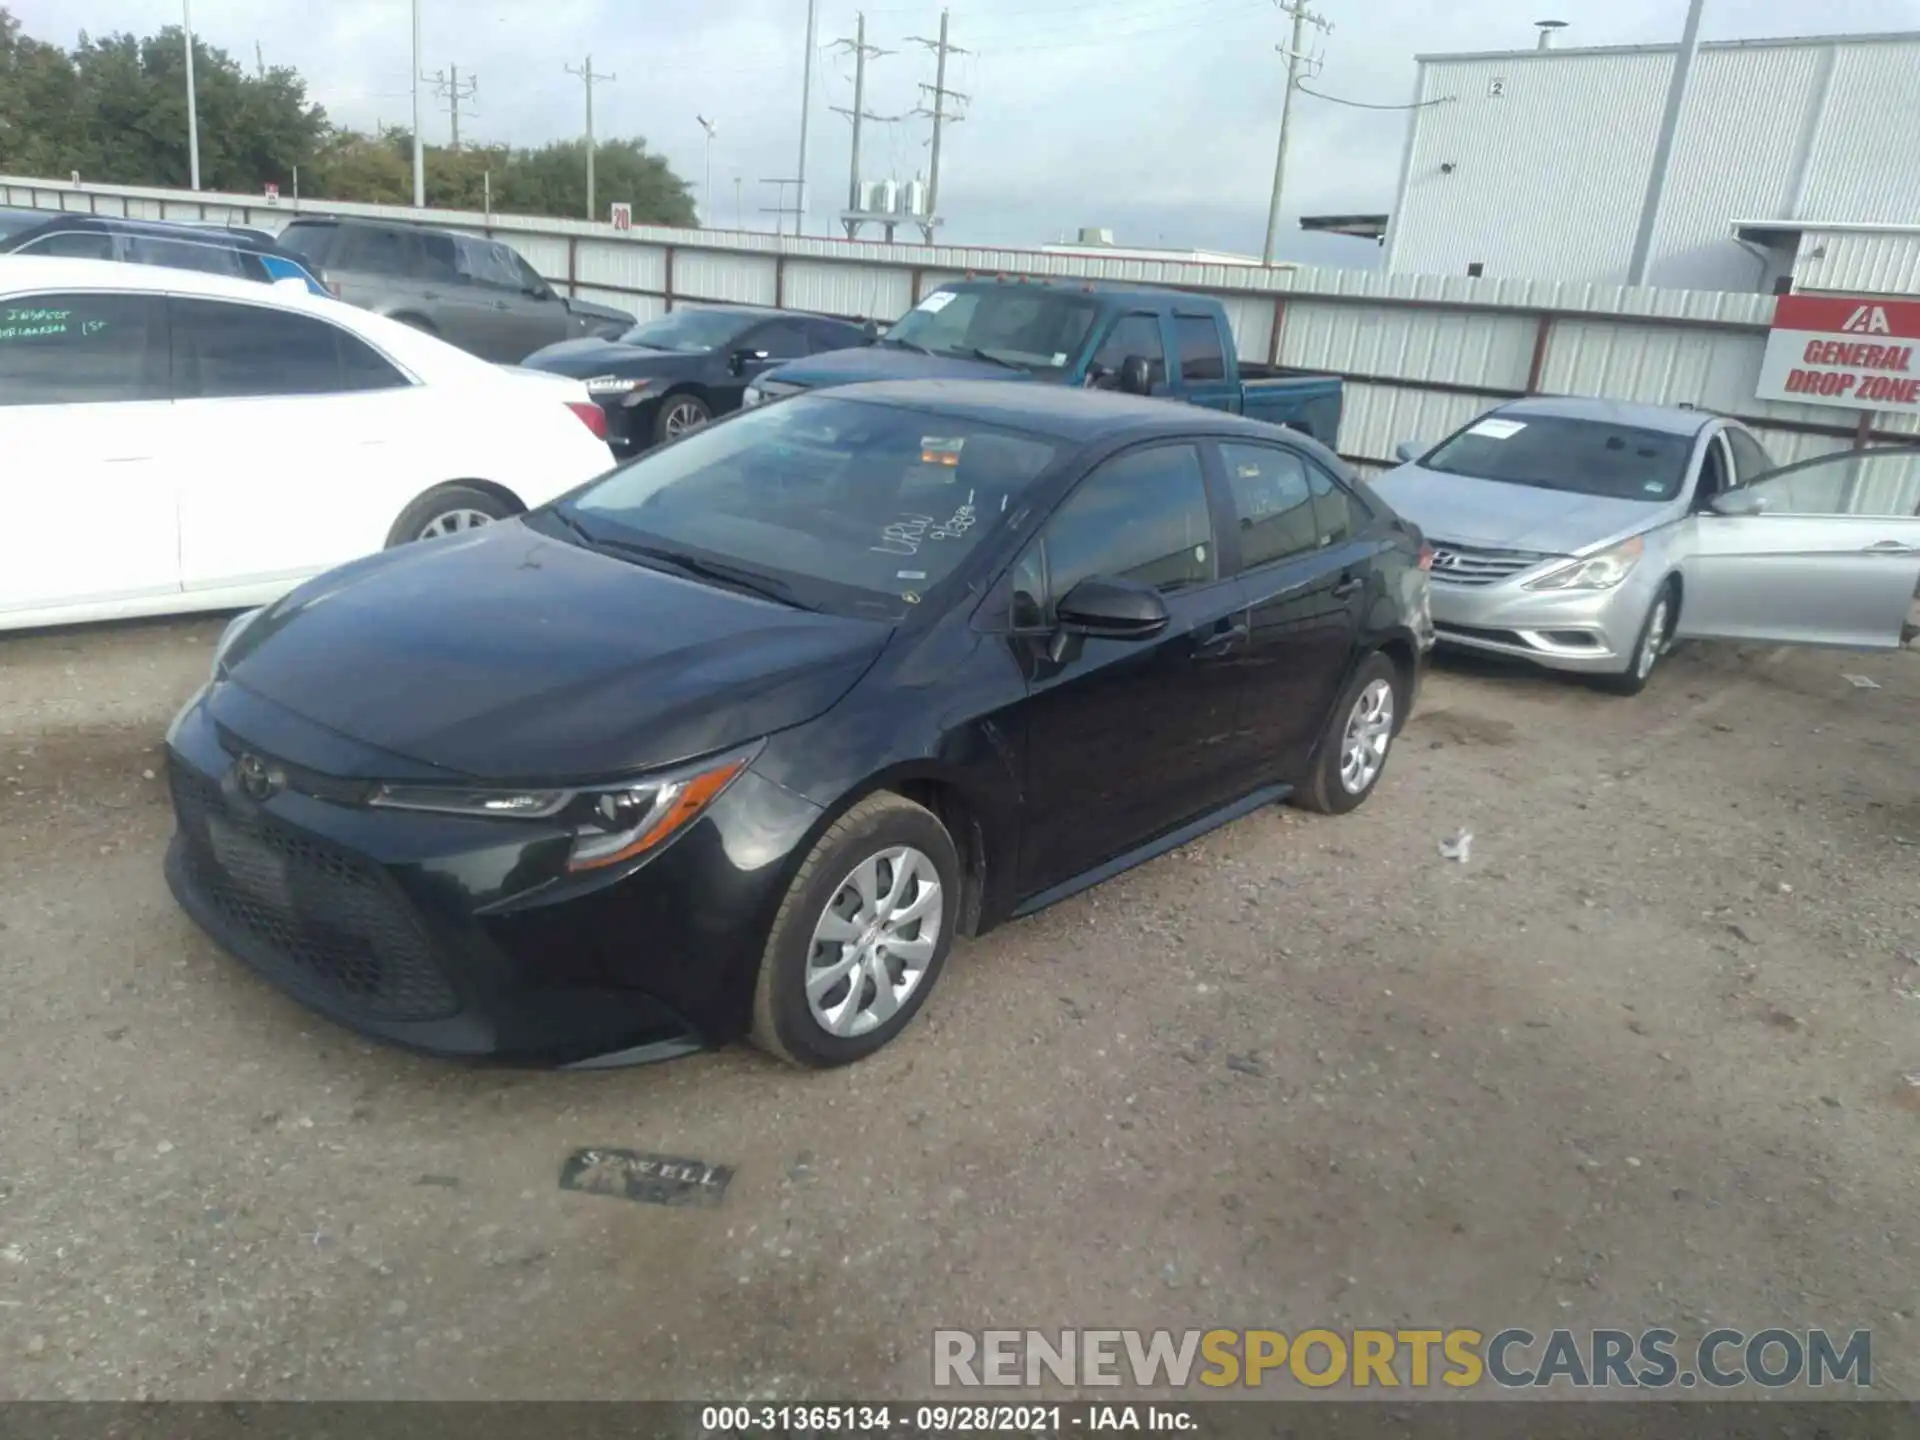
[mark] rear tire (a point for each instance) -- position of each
(1656, 633)
(831, 949)
(448, 510)
(1352, 754)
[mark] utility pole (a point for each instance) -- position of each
(419, 145)
(1663, 147)
(706, 186)
(1302, 18)
(585, 72)
(739, 214)
(940, 117)
(446, 84)
(259, 61)
(806, 108)
(193, 103)
(861, 50)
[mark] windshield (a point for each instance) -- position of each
(687, 330)
(1555, 452)
(853, 507)
(1024, 325)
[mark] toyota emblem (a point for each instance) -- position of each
(259, 780)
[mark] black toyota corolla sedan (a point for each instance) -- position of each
(737, 738)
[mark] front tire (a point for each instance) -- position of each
(449, 510)
(677, 415)
(1352, 754)
(861, 936)
(1648, 646)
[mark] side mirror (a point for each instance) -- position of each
(1136, 376)
(1408, 451)
(870, 331)
(741, 360)
(1112, 609)
(1738, 502)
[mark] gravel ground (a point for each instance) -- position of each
(1639, 1060)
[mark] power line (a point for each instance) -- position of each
(858, 114)
(1364, 105)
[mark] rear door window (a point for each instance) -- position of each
(1338, 513)
(228, 349)
(1201, 357)
(1273, 501)
(80, 349)
(184, 255)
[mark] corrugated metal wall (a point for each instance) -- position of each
(1548, 177)
(1852, 262)
(1422, 354)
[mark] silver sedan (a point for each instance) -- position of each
(1588, 535)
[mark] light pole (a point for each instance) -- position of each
(419, 145)
(706, 188)
(193, 104)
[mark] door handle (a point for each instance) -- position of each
(1221, 641)
(1349, 584)
(1892, 547)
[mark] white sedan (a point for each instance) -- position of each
(171, 441)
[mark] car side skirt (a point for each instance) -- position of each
(1172, 840)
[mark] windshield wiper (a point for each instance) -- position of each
(903, 344)
(580, 532)
(735, 577)
(974, 352)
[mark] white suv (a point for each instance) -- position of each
(176, 441)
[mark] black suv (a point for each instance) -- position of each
(472, 292)
(245, 254)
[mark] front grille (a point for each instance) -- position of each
(317, 918)
(1458, 564)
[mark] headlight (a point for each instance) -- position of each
(615, 385)
(1594, 572)
(610, 823)
(232, 633)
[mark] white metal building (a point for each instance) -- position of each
(1534, 163)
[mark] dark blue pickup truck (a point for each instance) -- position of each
(1146, 342)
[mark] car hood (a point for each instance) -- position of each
(598, 312)
(886, 362)
(1501, 516)
(588, 357)
(507, 655)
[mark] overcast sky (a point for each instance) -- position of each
(1156, 118)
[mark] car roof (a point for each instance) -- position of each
(1107, 289)
(1062, 412)
(159, 229)
(1667, 419)
(43, 272)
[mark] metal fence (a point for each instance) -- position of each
(1421, 355)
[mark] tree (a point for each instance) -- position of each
(115, 109)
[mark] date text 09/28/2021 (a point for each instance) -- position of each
(962, 1419)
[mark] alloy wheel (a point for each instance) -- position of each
(453, 522)
(874, 941)
(1363, 745)
(1653, 641)
(681, 418)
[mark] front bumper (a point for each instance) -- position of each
(1584, 631)
(464, 937)
(629, 419)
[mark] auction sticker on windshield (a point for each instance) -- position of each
(936, 302)
(1498, 429)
